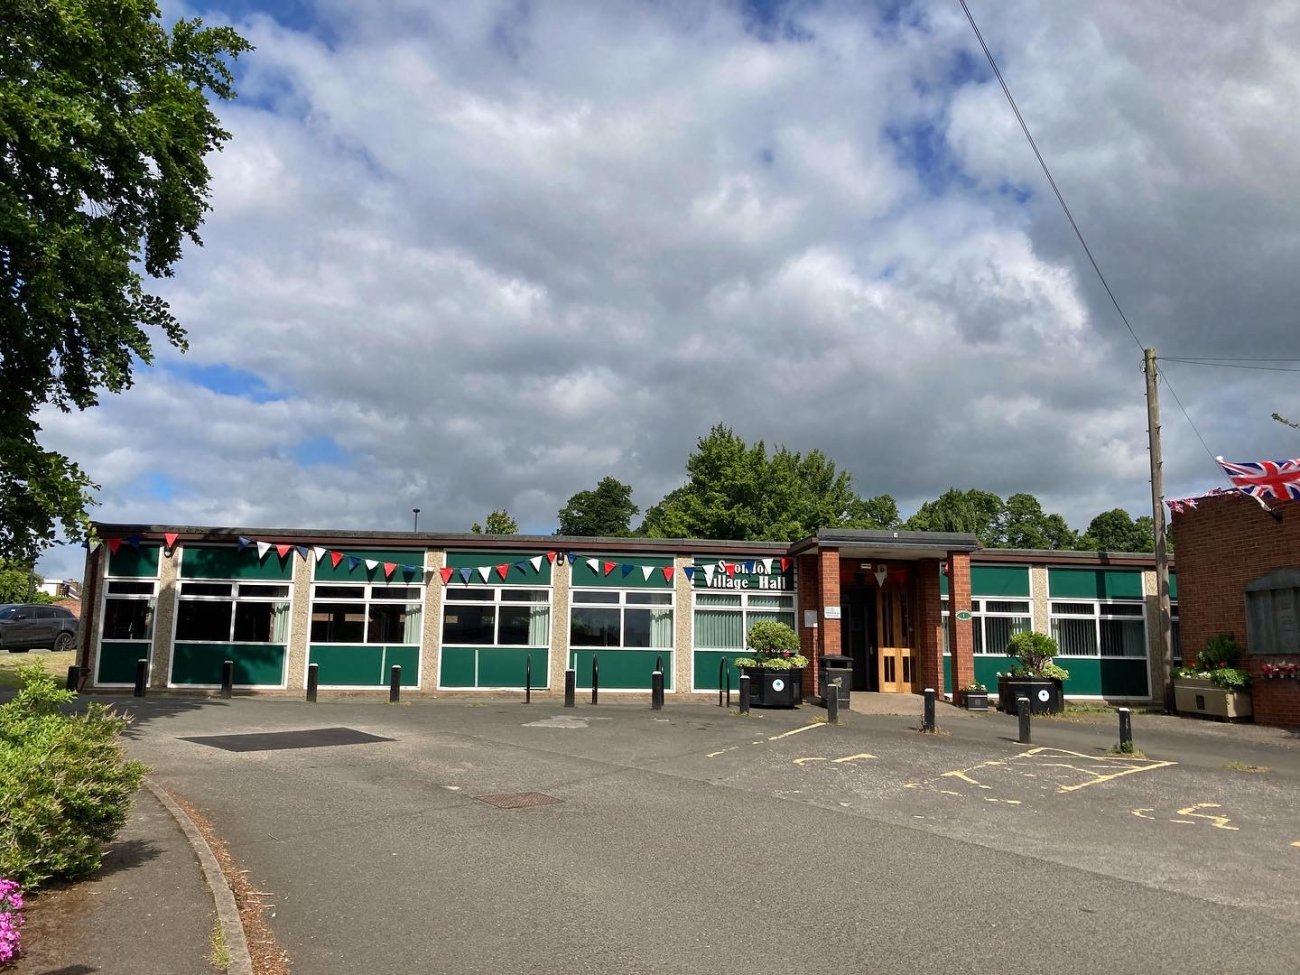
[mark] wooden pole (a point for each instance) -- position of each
(1164, 629)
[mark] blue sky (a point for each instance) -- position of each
(474, 256)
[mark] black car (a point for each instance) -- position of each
(24, 626)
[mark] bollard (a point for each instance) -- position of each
(659, 664)
(528, 679)
(1022, 707)
(141, 676)
(1125, 730)
(728, 684)
(570, 683)
(74, 677)
(722, 669)
(927, 723)
(227, 678)
(395, 684)
(657, 691)
(833, 702)
(744, 694)
(595, 679)
(313, 682)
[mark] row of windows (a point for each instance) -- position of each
(1081, 628)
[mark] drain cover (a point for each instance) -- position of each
(518, 800)
(276, 740)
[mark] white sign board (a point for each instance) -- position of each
(832, 612)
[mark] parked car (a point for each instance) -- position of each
(26, 626)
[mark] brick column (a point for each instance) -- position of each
(807, 584)
(960, 636)
(929, 649)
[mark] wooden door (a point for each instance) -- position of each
(894, 638)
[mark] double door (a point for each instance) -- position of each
(878, 635)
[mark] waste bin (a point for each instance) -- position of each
(832, 668)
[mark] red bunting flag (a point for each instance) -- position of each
(170, 539)
(389, 568)
(446, 574)
(731, 568)
(785, 564)
(336, 558)
(550, 557)
(610, 567)
(283, 550)
(113, 544)
(503, 570)
(668, 573)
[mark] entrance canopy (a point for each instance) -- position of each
(864, 543)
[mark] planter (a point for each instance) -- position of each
(975, 700)
(770, 688)
(1192, 695)
(1044, 694)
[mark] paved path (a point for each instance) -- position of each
(690, 840)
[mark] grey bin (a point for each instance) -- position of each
(834, 668)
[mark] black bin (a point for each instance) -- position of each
(835, 668)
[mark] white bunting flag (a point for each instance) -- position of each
(536, 561)
(262, 549)
(767, 565)
(708, 574)
(646, 570)
(371, 564)
(484, 571)
(594, 565)
(320, 552)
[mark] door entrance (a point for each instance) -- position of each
(860, 635)
(893, 640)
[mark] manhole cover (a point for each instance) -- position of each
(518, 800)
(276, 740)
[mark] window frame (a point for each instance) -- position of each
(1098, 616)
(365, 602)
(744, 609)
(235, 598)
(623, 605)
(497, 602)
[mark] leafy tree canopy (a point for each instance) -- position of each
(496, 523)
(739, 492)
(608, 510)
(104, 130)
(1117, 531)
(18, 583)
(1018, 522)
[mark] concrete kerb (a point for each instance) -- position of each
(223, 898)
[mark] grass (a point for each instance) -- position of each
(1129, 752)
(1243, 767)
(220, 956)
(55, 663)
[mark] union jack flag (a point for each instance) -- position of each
(1264, 478)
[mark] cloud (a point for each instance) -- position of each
(473, 256)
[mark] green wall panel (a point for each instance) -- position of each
(705, 669)
(209, 562)
(987, 667)
(1173, 585)
(1094, 583)
(583, 577)
(947, 673)
(622, 669)
(408, 658)
(515, 576)
(504, 667)
(1106, 676)
(117, 662)
(325, 571)
(132, 563)
(456, 667)
(999, 580)
(255, 664)
(363, 666)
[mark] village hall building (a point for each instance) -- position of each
(480, 614)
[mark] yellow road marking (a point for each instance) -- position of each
(959, 774)
(801, 761)
(1142, 812)
(787, 734)
(715, 754)
(1218, 822)
(1296, 843)
(849, 758)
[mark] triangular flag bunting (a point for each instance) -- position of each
(353, 562)
(785, 564)
(336, 558)
(731, 568)
(283, 550)
(389, 569)
(708, 573)
(627, 569)
(749, 567)
(446, 574)
(536, 561)
(522, 566)
(484, 572)
(882, 571)
(466, 574)
(503, 570)
(668, 573)
(550, 557)
(372, 564)
(572, 557)
(593, 564)
(689, 570)
(170, 539)
(302, 551)
(244, 542)
(114, 544)
(647, 571)
(319, 552)
(767, 565)
(411, 570)
(610, 567)
(133, 541)
(262, 549)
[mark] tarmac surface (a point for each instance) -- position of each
(698, 840)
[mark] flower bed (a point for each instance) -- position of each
(1288, 669)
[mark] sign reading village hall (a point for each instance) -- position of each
(765, 574)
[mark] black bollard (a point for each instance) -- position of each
(395, 684)
(1022, 707)
(659, 664)
(657, 691)
(313, 682)
(74, 677)
(141, 676)
(595, 679)
(722, 669)
(832, 704)
(570, 684)
(727, 671)
(528, 679)
(1125, 730)
(927, 723)
(227, 678)
(744, 694)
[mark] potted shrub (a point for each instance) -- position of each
(775, 669)
(1035, 676)
(975, 696)
(1216, 687)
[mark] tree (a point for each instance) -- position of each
(608, 510)
(497, 523)
(104, 130)
(17, 583)
(979, 513)
(737, 491)
(1026, 525)
(1117, 531)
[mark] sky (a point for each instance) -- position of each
(469, 256)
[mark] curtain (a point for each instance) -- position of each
(719, 629)
(539, 626)
(1075, 637)
(412, 631)
(280, 623)
(661, 628)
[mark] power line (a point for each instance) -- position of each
(1230, 358)
(1234, 365)
(1183, 410)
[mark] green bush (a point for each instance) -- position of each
(1035, 652)
(775, 646)
(65, 783)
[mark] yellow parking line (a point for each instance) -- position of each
(807, 727)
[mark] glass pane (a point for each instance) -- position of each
(1074, 609)
(340, 592)
(469, 625)
(1121, 609)
(388, 622)
(595, 596)
(1176, 641)
(123, 587)
(406, 593)
(515, 626)
(1076, 638)
(338, 623)
(458, 595)
(254, 622)
(258, 591)
(1123, 638)
(767, 601)
(717, 599)
(648, 628)
(207, 588)
(999, 630)
(719, 629)
(203, 622)
(128, 619)
(594, 627)
(650, 598)
(752, 617)
(525, 595)
(1006, 606)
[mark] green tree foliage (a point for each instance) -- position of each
(104, 130)
(979, 513)
(18, 583)
(1117, 531)
(496, 523)
(608, 510)
(1026, 525)
(737, 491)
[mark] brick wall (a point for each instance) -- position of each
(1222, 544)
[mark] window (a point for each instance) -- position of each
(723, 619)
(621, 618)
(1105, 629)
(232, 612)
(128, 609)
(995, 621)
(496, 616)
(1273, 613)
(366, 614)
(1174, 637)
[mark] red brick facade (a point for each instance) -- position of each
(819, 586)
(1224, 543)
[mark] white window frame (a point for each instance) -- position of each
(235, 598)
(744, 609)
(151, 597)
(1099, 615)
(979, 614)
(497, 602)
(575, 602)
(365, 602)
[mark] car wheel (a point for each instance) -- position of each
(63, 641)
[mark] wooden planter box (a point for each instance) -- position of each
(774, 688)
(1195, 696)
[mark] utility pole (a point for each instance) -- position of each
(1163, 626)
